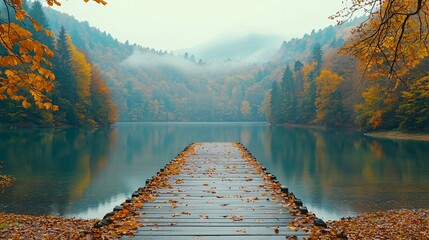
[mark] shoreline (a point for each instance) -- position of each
(376, 134)
(399, 135)
(383, 224)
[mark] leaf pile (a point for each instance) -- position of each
(13, 226)
(393, 224)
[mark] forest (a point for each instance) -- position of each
(99, 80)
(80, 95)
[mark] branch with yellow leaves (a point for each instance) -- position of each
(393, 37)
(24, 63)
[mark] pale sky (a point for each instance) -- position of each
(179, 24)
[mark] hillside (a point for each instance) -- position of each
(151, 85)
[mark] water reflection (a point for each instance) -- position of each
(342, 172)
(53, 168)
(72, 172)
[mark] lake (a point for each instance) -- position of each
(85, 173)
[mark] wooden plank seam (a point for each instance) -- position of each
(210, 191)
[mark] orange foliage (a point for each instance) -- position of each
(82, 71)
(327, 84)
(394, 38)
(27, 68)
(307, 69)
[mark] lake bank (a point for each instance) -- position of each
(385, 225)
(393, 224)
(375, 134)
(399, 135)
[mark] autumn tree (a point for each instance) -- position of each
(103, 109)
(24, 63)
(394, 37)
(23, 74)
(329, 109)
(414, 108)
(378, 109)
(82, 75)
(265, 105)
(245, 108)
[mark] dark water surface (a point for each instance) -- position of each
(85, 173)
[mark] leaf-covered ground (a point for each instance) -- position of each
(394, 224)
(398, 224)
(14, 226)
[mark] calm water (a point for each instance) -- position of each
(83, 173)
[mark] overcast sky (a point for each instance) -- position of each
(179, 24)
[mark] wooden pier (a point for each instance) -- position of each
(213, 191)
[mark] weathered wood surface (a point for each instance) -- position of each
(220, 193)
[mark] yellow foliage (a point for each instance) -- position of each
(374, 106)
(24, 72)
(245, 108)
(307, 69)
(393, 41)
(82, 70)
(327, 85)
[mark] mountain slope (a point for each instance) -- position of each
(150, 85)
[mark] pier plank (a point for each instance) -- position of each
(218, 193)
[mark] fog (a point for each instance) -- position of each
(226, 53)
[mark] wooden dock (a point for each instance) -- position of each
(216, 191)
(210, 191)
